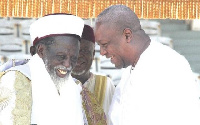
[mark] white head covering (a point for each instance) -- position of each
(56, 24)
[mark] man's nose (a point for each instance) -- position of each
(66, 63)
(102, 51)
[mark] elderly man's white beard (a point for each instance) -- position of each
(57, 80)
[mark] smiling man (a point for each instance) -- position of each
(157, 86)
(42, 91)
(60, 57)
(101, 86)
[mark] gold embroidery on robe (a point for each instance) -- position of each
(22, 111)
(94, 112)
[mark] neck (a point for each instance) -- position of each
(142, 49)
(82, 78)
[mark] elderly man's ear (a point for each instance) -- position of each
(40, 50)
(32, 50)
(128, 34)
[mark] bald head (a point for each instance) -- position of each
(118, 33)
(119, 17)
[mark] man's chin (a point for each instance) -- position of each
(119, 66)
(78, 72)
(58, 81)
(62, 76)
(59, 77)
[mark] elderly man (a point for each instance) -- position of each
(157, 87)
(100, 85)
(42, 91)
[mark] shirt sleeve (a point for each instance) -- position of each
(11, 63)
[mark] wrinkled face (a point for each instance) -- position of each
(86, 55)
(111, 44)
(60, 57)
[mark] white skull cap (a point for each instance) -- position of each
(56, 24)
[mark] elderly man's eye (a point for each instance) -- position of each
(104, 46)
(60, 57)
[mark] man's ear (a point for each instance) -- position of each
(32, 50)
(128, 34)
(40, 50)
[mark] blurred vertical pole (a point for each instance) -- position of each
(26, 46)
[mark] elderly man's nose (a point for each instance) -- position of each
(66, 63)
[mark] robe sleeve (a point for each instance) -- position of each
(7, 98)
(15, 99)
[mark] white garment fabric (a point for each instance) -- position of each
(110, 89)
(49, 108)
(160, 90)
